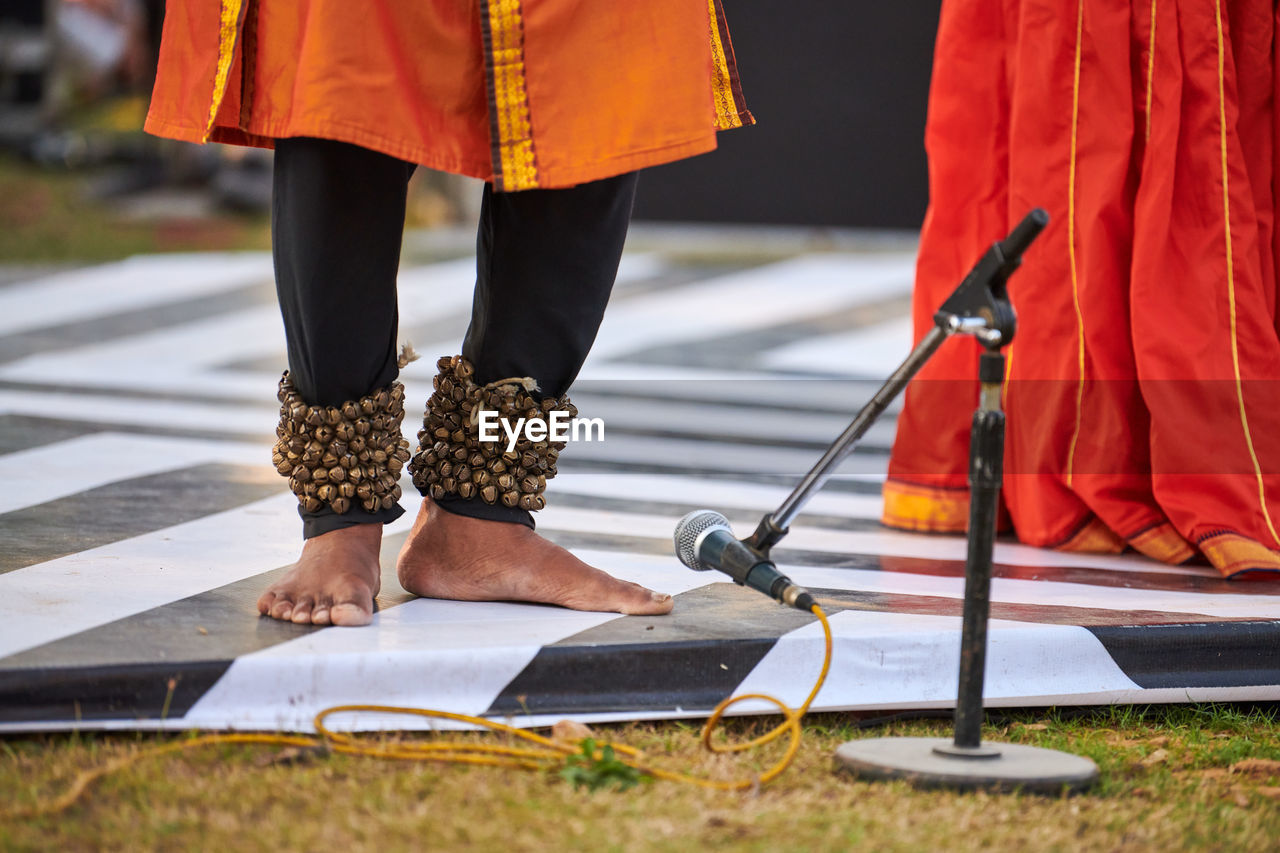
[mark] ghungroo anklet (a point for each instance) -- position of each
(338, 456)
(452, 460)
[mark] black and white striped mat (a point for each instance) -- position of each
(140, 520)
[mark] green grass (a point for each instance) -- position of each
(44, 217)
(1193, 777)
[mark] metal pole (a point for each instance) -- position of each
(821, 472)
(986, 467)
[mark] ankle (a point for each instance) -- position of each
(355, 535)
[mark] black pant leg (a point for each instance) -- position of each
(336, 227)
(546, 264)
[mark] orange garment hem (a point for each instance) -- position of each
(1092, 537)
(1162, 542)
(931, 509)
(264, 135)
(1233, 554)
(925, 509)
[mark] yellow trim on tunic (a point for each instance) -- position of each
(727, 116)
(515, 132)
(228, 29)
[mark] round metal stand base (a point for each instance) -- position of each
(915, 759)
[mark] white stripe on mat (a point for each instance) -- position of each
(884, 659)
(126, 411)
(166, 358)
(243, 419)
(713, 494)
(872, 351)
(424, 653)
(887, 542)
(1044, 593)
(65, 468)
(761, 422)
(71, 594)
(752, 299)
(139, 282)
(172, 358)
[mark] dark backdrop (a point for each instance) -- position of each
(839, 91)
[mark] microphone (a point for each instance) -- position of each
(704, 540)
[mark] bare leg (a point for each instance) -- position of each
(547, 260)
(337, 219)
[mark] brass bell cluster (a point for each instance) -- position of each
(451, 459)
(337, 455)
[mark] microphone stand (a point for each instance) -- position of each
(979, 307)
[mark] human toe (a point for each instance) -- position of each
(350, 613)
(301, 614)
(282, 609)
(639, 601)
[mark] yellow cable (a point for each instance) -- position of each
(548, 754)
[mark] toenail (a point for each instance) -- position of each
(660, 597)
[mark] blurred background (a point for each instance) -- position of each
(839, 96)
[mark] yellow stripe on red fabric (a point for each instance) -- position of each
(1071, 242)
(922, 509)
(1151, 68)
(721, 82)
(1162, 542)
(516, 168)
(1231, 278)
(228, 28)
(1232, 553)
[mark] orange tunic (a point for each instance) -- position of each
(525, 94)
(1144, 384)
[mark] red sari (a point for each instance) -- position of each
(1143, 390)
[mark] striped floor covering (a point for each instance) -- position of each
(140, 519)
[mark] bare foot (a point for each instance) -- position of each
(469, 559)
(333, 582)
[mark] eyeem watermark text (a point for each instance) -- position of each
(557, 426)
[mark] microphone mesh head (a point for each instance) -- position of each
(688, 531)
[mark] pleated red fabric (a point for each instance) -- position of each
(1143, 391)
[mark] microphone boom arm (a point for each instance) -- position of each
(979, 306)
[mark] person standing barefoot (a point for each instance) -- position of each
(556, 107)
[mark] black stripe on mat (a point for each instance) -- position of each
(22, 432)
(1221, 654)
(158, 663)
(689, 660)
(128, 508)
(717, 634)
(76, 426)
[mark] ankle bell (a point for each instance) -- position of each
(451, 459)
(340, 456)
